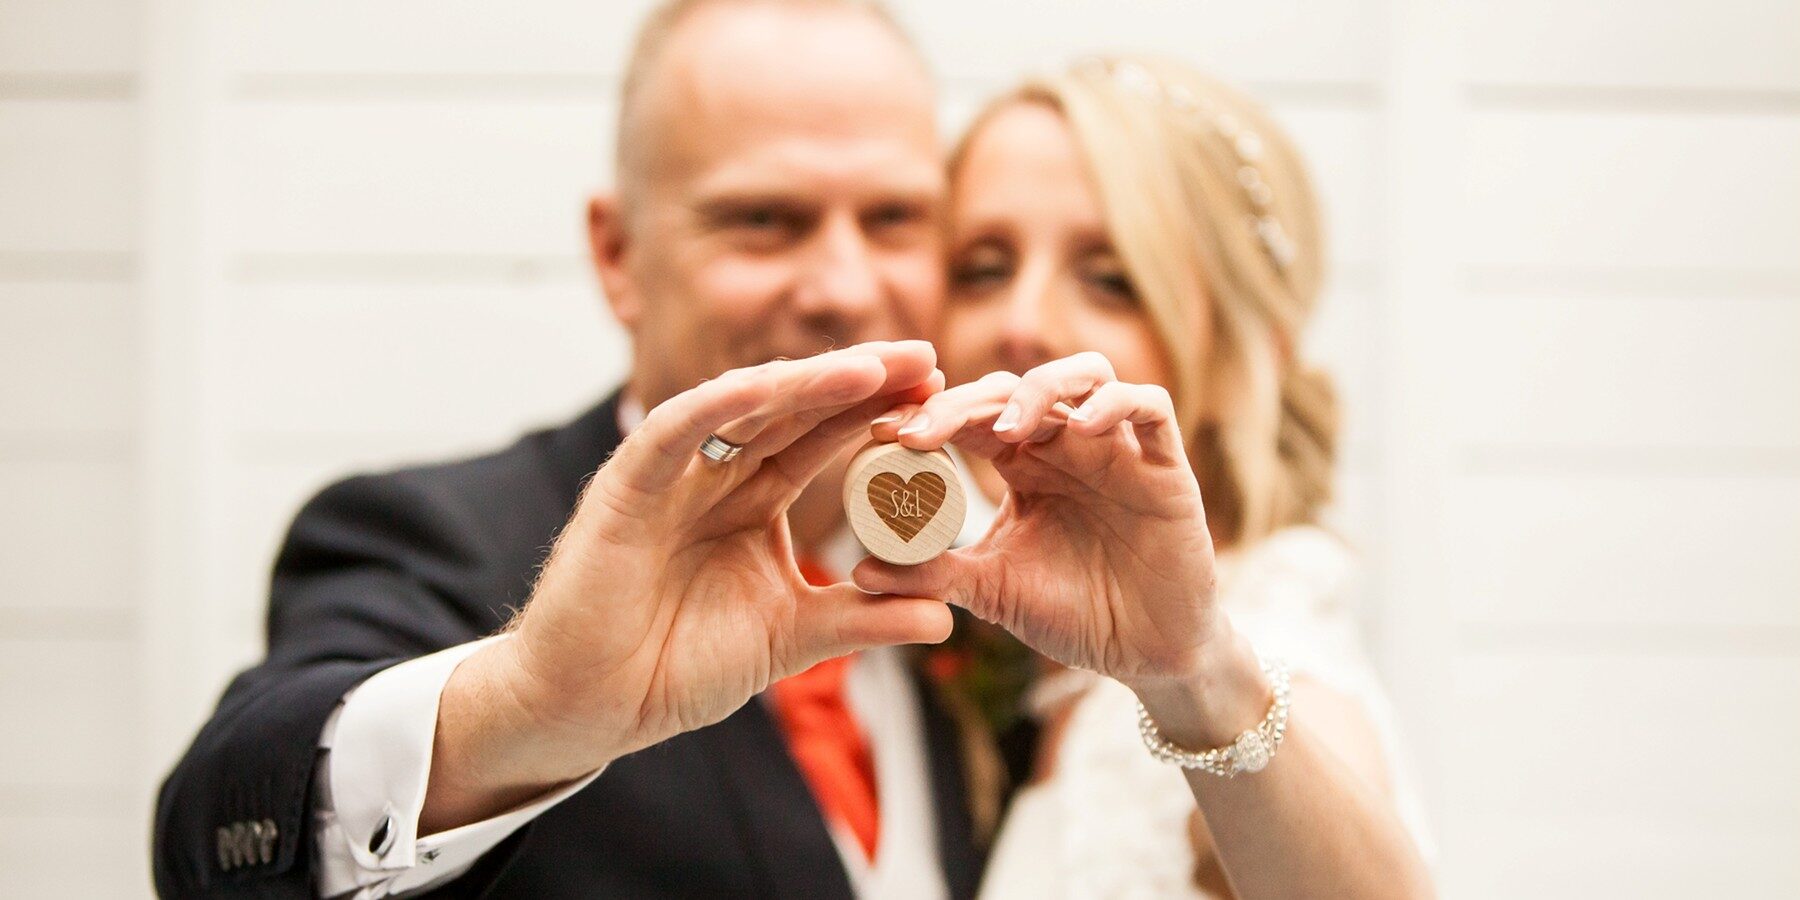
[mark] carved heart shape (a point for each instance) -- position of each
(906, 507)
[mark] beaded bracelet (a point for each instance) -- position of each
(1251, 751)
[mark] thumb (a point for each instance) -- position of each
(838, 619)
(954, 577)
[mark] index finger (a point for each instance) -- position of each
(770, 429)
(661, 449)
(1039, 390)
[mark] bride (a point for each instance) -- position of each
(1134, 252)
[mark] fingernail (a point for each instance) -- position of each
(918, 424)
(1009, 418)
(885, 420)
(1080, 413)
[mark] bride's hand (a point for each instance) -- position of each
(1100, 557)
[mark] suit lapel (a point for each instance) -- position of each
(774, 809)
(578, 448)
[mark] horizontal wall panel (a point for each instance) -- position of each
(431, 36)
(1283, 40)
(1343, 340)
(69, 36)
(1589, 731)
(68, 176)
(1565, 741)
(1588, 190)
(1575, 854)
(72, 357)
(78, 725)
(488, 361)
(1355, 514)
(74, 854)
(1356, 506)
(1627, 549)
(71, 544)
(1731, 44)
(1608, 371)
(384, 177)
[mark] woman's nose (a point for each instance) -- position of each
(1034, 326)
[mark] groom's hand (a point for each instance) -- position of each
(671, 596)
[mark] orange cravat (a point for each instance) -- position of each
(825, 740)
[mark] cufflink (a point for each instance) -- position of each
(383, 839)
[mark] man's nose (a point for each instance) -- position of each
(839, 276)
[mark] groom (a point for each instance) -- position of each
(779, 193)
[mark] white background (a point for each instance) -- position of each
(248, 245)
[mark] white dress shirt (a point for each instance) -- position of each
(377, 757)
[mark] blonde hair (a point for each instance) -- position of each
(1209, 206)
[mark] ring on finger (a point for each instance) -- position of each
(719, 450)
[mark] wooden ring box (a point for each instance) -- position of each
(905, 506)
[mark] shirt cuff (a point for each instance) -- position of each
(377, 765)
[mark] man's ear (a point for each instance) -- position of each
(609, 244)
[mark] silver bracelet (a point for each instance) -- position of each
(1249, 753)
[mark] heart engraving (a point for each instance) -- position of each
(906, 506)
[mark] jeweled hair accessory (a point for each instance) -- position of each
(1245, 143)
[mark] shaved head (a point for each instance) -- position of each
(716, 57)
(780, 188)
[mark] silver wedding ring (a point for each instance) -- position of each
(719, 449)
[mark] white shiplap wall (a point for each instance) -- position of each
(70, 607)
(246, 246)
(1623, 509)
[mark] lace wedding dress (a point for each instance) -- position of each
(1112, 822)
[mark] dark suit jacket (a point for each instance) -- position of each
(380, 569)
